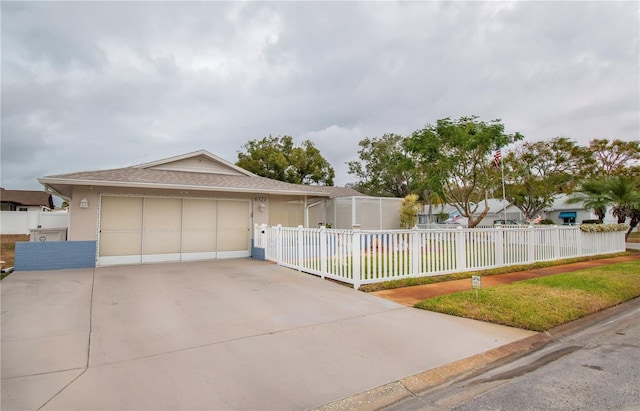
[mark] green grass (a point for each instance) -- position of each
(409, 282)
(546, 302)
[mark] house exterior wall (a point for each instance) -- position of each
(83, 222)
(581, 215)
(513, 213)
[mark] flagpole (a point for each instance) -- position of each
(504, 196)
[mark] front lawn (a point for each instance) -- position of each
(409, 282)
(543, 303)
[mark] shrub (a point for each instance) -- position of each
(602, 228)
(409, 211)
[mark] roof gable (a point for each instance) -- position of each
(197, 162)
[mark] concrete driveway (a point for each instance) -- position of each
(222, 335)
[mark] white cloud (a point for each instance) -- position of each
(89, 85)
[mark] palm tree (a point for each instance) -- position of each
(593, 194)
(620, 192)
(625, 196)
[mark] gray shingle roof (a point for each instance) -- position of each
(133, 176)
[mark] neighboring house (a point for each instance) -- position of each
(563, 213)
(25, 200)
(448, 214)
(189, 207)
(498, 209)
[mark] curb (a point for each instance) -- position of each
(469, 367)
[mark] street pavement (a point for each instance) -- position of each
(591, 365)
(221, 335)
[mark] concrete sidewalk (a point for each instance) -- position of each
(409, 296)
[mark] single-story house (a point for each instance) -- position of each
(25, 200)
(561, 212)
(447, 213)
(189, 207)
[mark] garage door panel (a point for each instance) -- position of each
(198, 241)
(160, 242)
(120, 243)
(233, 230)
(162, 214)
(135, 229)
(199, 227)
(233, 214)
(121, 214)
(200, 214)
(233, 240)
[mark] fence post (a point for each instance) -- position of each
(499, 246)
(355, 256)
(556, 244)
(323, 251)
(416, 255)
(531, 246)
(279, 244)
(300, 247)
(579, 242)
(461, 250)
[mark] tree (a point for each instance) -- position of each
(456, 156)
(279, 159)
(619, 192)
(594, 195)
(385, 168)
(409, 211)
(535, 173)
(614, 157)
(625, 196)
(624, 193)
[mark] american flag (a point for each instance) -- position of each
(496, 157)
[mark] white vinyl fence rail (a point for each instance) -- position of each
(21, 222)
(364, 257)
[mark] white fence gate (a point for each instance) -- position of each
(365, 257)
(20, 222)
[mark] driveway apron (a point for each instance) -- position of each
(228, 334)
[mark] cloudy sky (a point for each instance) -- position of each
(97, 85)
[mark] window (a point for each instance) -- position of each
(568, 217)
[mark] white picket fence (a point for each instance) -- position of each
(365, 257)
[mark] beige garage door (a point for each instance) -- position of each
(137, 230)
